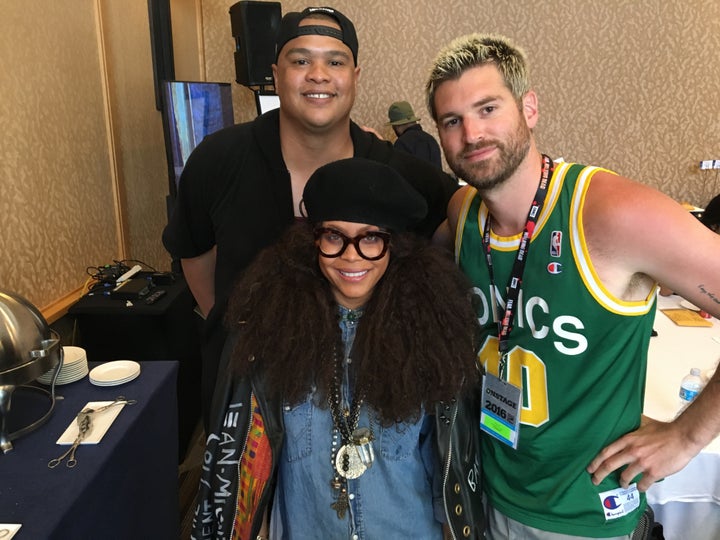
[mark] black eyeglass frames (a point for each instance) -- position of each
(371, 245)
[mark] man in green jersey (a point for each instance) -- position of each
(564, 269)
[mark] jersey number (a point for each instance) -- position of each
(527, 371)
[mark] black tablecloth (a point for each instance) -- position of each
(124, 487)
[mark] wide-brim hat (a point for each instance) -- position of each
(401, 112)
(360, 190)
(290, 29)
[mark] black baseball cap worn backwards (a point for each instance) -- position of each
(290, 29)
(360, 190)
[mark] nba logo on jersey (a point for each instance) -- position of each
(555, 243)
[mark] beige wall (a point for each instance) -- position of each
(139, 148)
(83, 176)
(630, 85)
(57, 207)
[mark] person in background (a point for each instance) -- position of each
(410, 135)
(352, 396)
(241, 186)
(565, 260)
(711, 215)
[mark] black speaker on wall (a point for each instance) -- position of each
(254, 26)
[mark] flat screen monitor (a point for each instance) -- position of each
(192, 110)
(266, 101)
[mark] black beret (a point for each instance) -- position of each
(363, 191)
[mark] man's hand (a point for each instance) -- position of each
(373, 131)
(655, 450)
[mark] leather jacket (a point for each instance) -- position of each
(458, 445)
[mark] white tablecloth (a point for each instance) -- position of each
(686, 503)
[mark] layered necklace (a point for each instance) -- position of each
(352, 452)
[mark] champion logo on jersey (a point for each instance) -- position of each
(611, 503)
(556, 243)
(554, 267)
(619, 502)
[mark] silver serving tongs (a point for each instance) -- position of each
(84, 422)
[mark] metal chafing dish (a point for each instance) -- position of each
(28, 348)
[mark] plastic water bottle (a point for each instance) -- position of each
(690, 387)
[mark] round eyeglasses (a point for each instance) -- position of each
(371, 245)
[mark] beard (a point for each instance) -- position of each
(490, 173)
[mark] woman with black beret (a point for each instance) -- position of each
(346, 404)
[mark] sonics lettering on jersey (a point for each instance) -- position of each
(566, 331)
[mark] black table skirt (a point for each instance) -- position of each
(124, 487)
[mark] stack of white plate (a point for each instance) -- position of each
(74, 367)
(114, 373)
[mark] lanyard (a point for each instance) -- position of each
(505, 324)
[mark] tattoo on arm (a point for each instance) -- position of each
(709, 294)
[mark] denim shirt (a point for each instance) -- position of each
(397, 497)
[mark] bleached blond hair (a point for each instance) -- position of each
(475, 50)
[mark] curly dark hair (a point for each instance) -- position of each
(415, 345)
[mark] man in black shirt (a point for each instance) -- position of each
(241, 187)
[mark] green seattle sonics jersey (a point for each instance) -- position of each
(578, 353)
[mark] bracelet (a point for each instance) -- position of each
(261, 537)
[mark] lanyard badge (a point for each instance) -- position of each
(500, 409)
(502, 401)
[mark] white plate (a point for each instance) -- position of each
(68, 374)
(114, 373)
(689, 305)
(63, 380)
(114, 383)
(73, 355)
